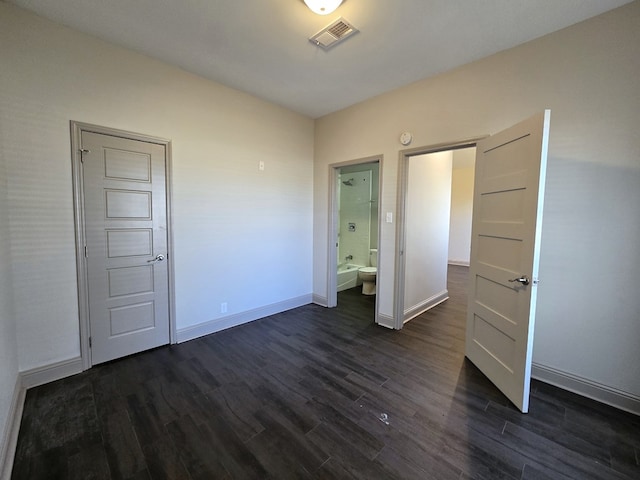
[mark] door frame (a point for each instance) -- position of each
(77, 128)
(332, 252)
(401, 212)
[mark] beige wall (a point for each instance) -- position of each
(427, 209)
(588, 310)
(8, 344)
(461, 206)
(241, 235)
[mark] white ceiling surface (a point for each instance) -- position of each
(261, 46)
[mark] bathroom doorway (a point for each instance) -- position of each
(354, 229)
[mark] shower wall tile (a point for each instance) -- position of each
(355, 207)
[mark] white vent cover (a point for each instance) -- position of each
(333, 34)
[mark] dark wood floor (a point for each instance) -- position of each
(318, 393)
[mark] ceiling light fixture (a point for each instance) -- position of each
(323, 7)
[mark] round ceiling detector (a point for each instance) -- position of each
(405, 138)
(323, 7)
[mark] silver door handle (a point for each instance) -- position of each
(523, 279)
(158, 258)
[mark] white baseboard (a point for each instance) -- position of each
(386, 321)
(11, 430)
(213, 326)
(425, 305)
(587, 388)
(25, 380)
(460, 263)
(51, 373)
(320, 300)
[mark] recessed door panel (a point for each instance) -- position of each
(503, 207)
(499, 252)
(130, 280)
(506, 159)
(131, 318)
(128, 243)
(497, 297)
(122, 204)
(127, 165)
(494, 342)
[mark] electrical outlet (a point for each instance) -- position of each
(261, 165)
(223, 307)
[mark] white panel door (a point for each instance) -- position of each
(505, 244)
(126, 236)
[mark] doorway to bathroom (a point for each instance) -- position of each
(355, 220)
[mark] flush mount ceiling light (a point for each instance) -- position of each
(323, 7)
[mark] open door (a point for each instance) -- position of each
(505, 245)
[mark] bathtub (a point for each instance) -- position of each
(348, 276)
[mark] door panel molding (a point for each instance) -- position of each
(77, 129)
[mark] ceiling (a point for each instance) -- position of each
(261, 46)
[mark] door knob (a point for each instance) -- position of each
(158, 258)
(523, 279)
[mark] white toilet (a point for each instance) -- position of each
(368, 274)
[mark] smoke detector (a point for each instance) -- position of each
(333, 34)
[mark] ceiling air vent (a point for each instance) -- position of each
(333, 34)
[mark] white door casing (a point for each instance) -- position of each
(397, 322)
(125, 231)
(333, 229)
(505, 249)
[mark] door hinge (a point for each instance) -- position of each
(82, 152)
(90, 343)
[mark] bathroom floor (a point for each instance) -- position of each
(354, 302)
(318, 393)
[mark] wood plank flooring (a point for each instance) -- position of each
(317, 393)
